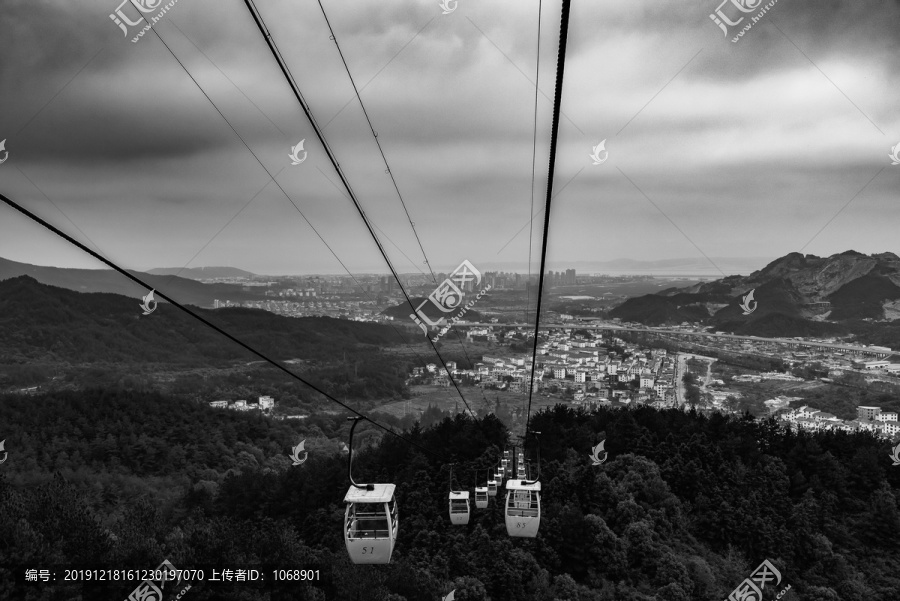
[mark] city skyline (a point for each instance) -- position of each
(663, 267)
(774, 145)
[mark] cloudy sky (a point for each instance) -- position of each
(776, 143)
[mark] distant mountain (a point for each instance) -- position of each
(795, 295)
(182, 289)
(682, 266)
(40, 323)
(692, 265)
(203, 273)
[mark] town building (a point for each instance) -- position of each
(867, 413)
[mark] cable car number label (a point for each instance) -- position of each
(368, 550)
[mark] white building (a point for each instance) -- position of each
(876, 364)
(864, 412)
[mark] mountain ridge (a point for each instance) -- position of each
(39, 322)
(198, 273)
(182, 289)
(796, 295)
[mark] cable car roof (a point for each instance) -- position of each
(522, 485)
(381, 493)
(459, 495)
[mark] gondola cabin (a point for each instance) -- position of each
(481, 496)
(504, 464)
(523, 508)
(492, 488)
(370, 523)
(459, 508)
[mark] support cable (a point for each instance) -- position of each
(390, 172)
(554, 137)
(537, 81)
(283, 191)
(209, 324)
(257, 17)
(375, 135)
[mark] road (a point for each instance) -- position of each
(681, 369)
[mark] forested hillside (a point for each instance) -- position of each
(789, 296)
(685, 508)
(45, 323)
(104, 340)
(176, 282)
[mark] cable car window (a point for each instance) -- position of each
(368, 521)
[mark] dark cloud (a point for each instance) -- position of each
(745, 146)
